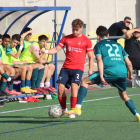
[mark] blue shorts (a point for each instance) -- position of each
(118, 82)
(68, 76)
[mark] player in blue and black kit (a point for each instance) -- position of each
(112, 61)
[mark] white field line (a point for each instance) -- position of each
(67, 103)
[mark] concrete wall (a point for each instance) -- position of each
(92, 12)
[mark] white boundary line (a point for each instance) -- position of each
(67, 103)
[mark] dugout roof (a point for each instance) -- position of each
(21, 17)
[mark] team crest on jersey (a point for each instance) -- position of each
(108, 40)
(69, 48)
(79, 43)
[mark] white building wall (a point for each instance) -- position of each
(92, 12)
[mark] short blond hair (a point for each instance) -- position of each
(77, 23)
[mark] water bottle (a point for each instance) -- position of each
(134, 80)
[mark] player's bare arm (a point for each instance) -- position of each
(130, 32)
(133, 26)
(91, 62)
(129, 67)
(26, 33)
(101, 71)
(52, 51)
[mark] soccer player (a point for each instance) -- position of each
(112, 61)
(31, 54)
(77, 45)
(13, 57)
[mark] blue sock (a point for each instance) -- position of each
(131, 106)
(3, 86)
(81, 95)
(27, 83)
(22, 83)
(39, 78)
(10, 87)
(5, 76)
(34, 78)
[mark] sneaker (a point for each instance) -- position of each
(24, 90)
(38, 91)
(75, 110)
(5, 93)
(50, 90)
(31, 90)
(138, 118)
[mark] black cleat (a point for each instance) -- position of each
(4, 93)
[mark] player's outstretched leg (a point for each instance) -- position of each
(129, 103)
(81, 95)
(62, 97)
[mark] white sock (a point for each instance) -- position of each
(9, 79)
(65, 109)
(137, 114)
(78, 105)
(47, 84)
(41, 84)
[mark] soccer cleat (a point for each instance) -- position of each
(13, 92)
(42, 89)
(52, 87)
(4, 93)
(63, 111)
(15, 82)
(76, 111)
(38, 91)
(24, 90)
(31, 90)
(138, 118)
(50, 90)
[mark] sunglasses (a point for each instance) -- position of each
(127, 22)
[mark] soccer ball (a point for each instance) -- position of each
(55, 111)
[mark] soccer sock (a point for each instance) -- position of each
(22, 83)
(3, 86)
(73, 101)
(5, 75)
(34, 77)
(62, 101)
(81, 95)
(47, 84)
(39, 78)
(131, 106)
(41, 84)
(10, 87)
(27, 83)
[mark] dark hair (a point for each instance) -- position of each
(127, 18)
(16, 37)
(77, 23)
(42, 37)
(26, 29)
(1, 36)
(6, 36)
(102, 31)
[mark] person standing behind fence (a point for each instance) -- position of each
(132, 47)
(120, 28)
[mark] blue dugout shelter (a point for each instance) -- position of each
(30, 13)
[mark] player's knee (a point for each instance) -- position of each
(61, 88)
(41, 66)
(29, 68)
